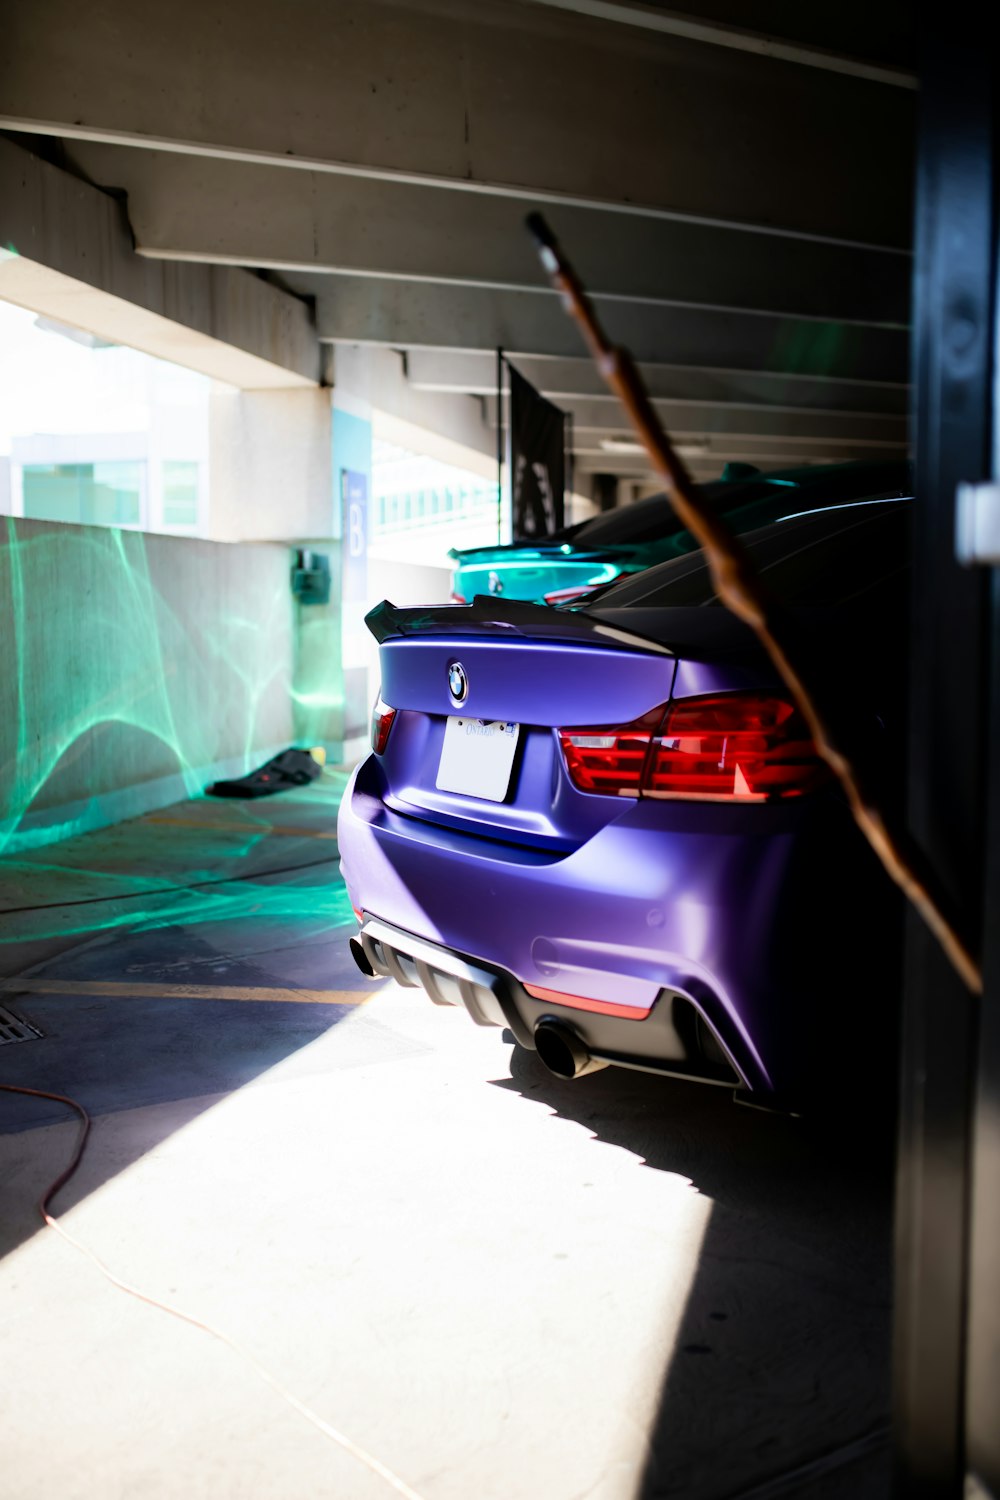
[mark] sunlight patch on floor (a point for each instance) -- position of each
(473, 1287)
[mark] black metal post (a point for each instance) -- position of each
(499, 445)
(568, 468)
(982, 1423)
(953, 363)
(982, 1420)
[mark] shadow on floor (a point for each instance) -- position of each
(125, 1054)
(783, 1353)
(170, 960)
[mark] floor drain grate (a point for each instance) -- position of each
(15, 1028)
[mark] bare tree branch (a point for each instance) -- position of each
(739, 586)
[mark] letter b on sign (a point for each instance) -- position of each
(354, 513)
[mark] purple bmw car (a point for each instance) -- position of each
(608, 830)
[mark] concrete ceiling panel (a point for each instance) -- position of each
(564, 379)
(368, 310)
(852, 36)
(733, 184)
(197, 208)
(485, 97)
(590, 416)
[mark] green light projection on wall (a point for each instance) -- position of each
(133, 660)
(273, 861)
(318, 679)
(317, 691)
(813, 348)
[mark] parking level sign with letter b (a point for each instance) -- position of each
(354, 501)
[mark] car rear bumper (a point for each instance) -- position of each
(673, 1038)
(739, 913)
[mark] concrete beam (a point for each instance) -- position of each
(767, 453)
(195, 208)
(368, 310)
(645, 481)
(495, 97)
(565, 379)
(698, 417)
(773, 42)
(69, 254)
(377, 377)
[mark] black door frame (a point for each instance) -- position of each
(947, 1335)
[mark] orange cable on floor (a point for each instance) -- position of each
(363, 1457)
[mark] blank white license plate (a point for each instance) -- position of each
(477, 758)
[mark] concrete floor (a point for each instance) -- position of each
(505, 1287)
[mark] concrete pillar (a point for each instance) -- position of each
(297, 465)
(278, 465)
(269, 461)
(272, 478)
(352, 480)
(371, 389)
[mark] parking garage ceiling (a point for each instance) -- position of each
(736, 195)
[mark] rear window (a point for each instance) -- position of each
(822, 559)
(642, 521)
(647, 520)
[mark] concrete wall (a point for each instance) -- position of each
(137, 669)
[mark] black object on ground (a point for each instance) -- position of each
(287, 769)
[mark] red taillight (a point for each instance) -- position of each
(746, 745)
(382, 717)
(732, 746)
(610, 760)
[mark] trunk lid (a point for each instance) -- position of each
(538, 669)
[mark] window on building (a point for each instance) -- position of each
(180, 493)
(98, 434)
(98, 494)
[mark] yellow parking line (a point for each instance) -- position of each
(116, 990)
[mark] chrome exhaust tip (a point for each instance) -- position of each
(562, 1051)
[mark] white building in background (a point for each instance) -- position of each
(108, 479)
(97, 434)
(422, 506)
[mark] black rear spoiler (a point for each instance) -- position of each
(489, 615)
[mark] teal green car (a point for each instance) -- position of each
(580, 558)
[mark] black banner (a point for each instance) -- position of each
(537, 461)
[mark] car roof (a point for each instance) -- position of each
(744, 484)
(770, 546)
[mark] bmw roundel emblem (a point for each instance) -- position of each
(458, 683)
